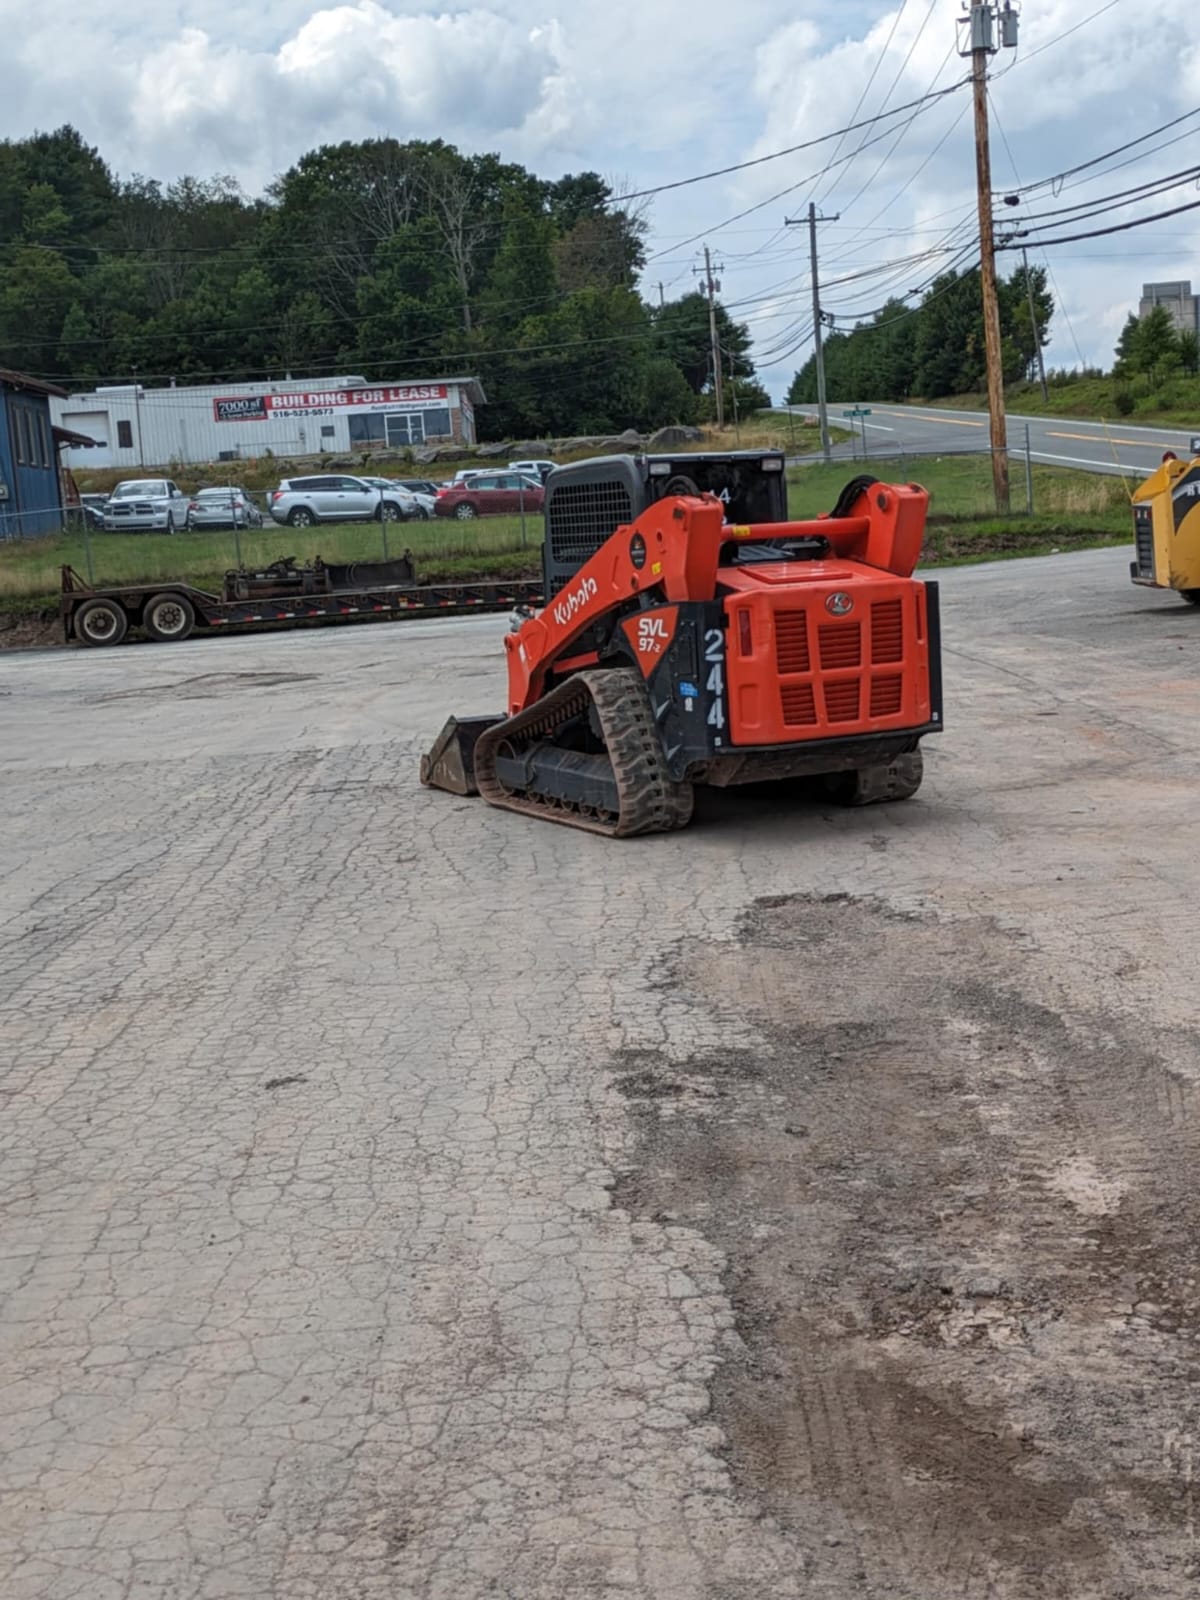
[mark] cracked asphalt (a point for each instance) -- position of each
(356, 1240)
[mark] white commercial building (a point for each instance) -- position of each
(137, 427)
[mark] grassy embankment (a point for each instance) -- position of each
(1173, 404)
(1074, 510)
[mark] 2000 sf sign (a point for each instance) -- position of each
(324, 402)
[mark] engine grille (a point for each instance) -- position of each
(839, 645)
(791, 641)
(841, 673)
(1143, 539)
(799, 705)
(841, 700)
(887, 632)
(886, 696)
(579, 518)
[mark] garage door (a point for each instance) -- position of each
(93, 425)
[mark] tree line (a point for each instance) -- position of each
(396, 259)
(935, 348)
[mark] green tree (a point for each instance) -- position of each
(522, 282)
(78, 347)
(36, 292)
(43, 217)
(667, 396)
(682, 335)
(1149, 344)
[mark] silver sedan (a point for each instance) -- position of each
(223, 508)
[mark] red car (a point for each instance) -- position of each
(490, 494)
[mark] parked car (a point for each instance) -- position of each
(145, 505)
(425, 486)
(408, 501)
(465, 474)
(91, 507)
(490, 493)
(223, 508)
(540, 470)
(303, 502)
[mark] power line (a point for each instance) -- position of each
(1067, 32)
(791, 188)
(887, 43)
(1097, 233)
(790, 150)
(1084, 166)
(907, 125)
(1119, 198)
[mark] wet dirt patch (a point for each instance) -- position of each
(958, 1219)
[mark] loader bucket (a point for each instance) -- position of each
(450, 762)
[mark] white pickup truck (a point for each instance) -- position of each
(146, 505)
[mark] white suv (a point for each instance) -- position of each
(330, 497)
(540, 470)
(145, 505)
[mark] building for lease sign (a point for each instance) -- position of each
(329, 402)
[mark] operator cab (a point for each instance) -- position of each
(588, 501)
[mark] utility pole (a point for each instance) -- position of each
(662, 300)
(1037, 333)
(712, 285)
(818, 343)
(981, 22)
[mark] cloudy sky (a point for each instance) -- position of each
(660, 92)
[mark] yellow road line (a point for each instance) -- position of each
(953, 422)
(1100, 438)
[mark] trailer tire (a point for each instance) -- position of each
(168, 618)
(99, 622)
(1192, 596)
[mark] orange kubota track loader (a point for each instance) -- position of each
(684, 648)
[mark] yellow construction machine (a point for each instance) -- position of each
(1166, 527)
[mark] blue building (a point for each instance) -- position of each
(30, 494)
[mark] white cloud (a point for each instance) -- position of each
(654, 91)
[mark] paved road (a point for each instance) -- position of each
(402, 1199)
(1091, 446)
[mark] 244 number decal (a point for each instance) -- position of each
(714, 660)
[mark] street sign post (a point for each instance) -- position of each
(861, 413)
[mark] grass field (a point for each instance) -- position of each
(1073, 510)
(442, 548)
(1175, 403)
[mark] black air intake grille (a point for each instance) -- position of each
(1143, 538)
(580, 517)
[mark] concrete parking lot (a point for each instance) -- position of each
(400, 1198)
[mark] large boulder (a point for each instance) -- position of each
(493, 448)
(672, 437)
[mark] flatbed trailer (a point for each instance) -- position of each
(168, 612)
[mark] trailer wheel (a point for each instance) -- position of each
(1192, 596)
(167, 618)
(100, 622)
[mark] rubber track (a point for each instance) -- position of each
(649, 801)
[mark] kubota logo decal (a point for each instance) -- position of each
(566, 607)
(839, 603)
(650, 633)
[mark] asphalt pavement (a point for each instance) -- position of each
(357, 1240)
(1114, 447)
